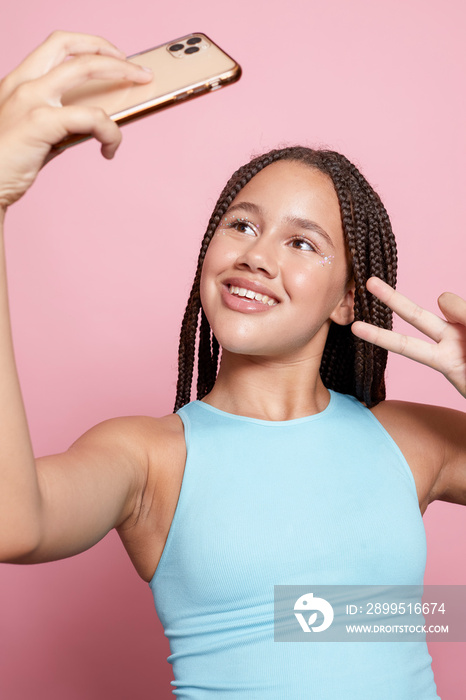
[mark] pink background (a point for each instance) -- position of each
(101, 257)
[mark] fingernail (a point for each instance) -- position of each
(147, 69)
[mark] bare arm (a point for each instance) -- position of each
(97, 485)
(69, 501)
(20, 501)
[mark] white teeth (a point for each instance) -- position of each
(243, 292)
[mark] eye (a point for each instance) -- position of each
(242, 226)
(300, 243)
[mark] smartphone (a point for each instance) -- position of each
(182, 69)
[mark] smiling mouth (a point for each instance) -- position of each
(249, 294)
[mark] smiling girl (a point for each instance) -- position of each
(290, 467)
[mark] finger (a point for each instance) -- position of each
(74, 43)
(53, 51)
(414, 348)
(27, 146)
(78, 71)
(79, 120)
(425, 321)
(453, 307)
(75, 72)
(51, 87)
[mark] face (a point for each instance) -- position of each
(276, 271)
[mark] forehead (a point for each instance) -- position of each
(290, 189)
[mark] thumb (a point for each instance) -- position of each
(453, 307)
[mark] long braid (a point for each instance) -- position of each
(348, 365)
(373, 252)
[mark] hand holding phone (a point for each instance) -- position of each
(32, 119)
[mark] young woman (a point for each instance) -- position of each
(290, 468)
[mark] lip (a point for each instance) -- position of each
(250, 284)
(243, 304)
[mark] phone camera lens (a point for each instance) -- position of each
(194, 40)
(192, 49)
(176, 47)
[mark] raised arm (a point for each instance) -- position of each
(65, 503)
(434, 435)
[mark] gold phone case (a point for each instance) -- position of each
(182, 69)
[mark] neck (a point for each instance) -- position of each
(269, 389)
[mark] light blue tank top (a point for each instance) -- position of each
(327, 499)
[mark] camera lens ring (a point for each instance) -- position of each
(176, 47)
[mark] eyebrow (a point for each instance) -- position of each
(293, 220)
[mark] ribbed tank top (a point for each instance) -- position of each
(326, 499)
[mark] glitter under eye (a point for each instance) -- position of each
(326, 260)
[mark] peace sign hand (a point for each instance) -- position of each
(448, 352)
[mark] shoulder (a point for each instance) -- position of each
(138, 438)
(428, 438)
(411, 422)
(133, 431)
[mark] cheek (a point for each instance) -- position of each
(213, 263)
(306, 282)
(322, 279)
(220, 255)
(209, 261)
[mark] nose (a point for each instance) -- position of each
(259, 256)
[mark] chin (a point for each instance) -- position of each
(249, 348)
(242, 346)
(238, 347)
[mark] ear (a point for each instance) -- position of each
(343, 313)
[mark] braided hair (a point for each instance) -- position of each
(349, 365)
